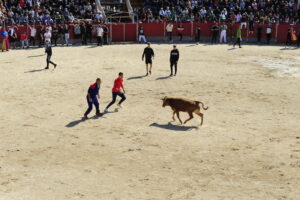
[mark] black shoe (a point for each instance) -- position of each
(171, 74)
(55, 66)
(46, 67)
(147, 74)
(150, 72)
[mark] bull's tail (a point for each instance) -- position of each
(199, 102)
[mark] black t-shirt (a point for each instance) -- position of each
(148, 53)
(141, 31)
(174, 56)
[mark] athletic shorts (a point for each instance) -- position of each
(148, 61)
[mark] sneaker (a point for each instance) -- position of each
(171, 74)
(150, 72)
(99, 114)
(55, 66)
(147, 74)
(106, 110)
(120, 106)
(85, 117)
(46, 67)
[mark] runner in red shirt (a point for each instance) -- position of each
(118, 90)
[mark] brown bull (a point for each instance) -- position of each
(184, 105)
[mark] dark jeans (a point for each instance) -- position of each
(49, 61)
(99, 41)
(180, 36)
(268, 38)
(238, 41)
(54, 38)
(90, 108)
(214, 38)
(173, 64)
(258, 36)
(83, 39)
(114, 97)
(32, 40)
(170, 36)
(197, 38)
(288, 40)
(105, 39)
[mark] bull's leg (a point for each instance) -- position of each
(191, 117)
(174, 115)
(201, 115)
(178, 117)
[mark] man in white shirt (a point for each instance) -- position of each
(32, 35)
(169, 29)
(162, 13)
(99, 31)
(269, 32)
(47, 35)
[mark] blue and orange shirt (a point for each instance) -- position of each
(93, 90)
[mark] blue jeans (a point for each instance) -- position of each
(114, 97)
(90, 108)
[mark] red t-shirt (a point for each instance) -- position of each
(23, 37)
(117, 85)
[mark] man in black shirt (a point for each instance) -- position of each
(259, 31)
(174, 57)
(89, 30)
(214, 32)
(55, 34)
(148, 54)
(83, 33)
(198, 34)
(48, 51)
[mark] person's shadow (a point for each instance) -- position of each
(173, 127)
(136, 77)
(163, 78)
(230, 49)
(77, 122)
(35, 70)
(35, 56)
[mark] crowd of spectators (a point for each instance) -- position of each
(47, 11)
(273, 11)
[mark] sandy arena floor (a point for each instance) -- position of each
(248, 147)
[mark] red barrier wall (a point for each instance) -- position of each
(128, 32)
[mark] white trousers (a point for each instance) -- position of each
(67, 37)
(142, 37)
(24, 43)
(223, 36)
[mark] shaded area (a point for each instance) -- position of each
(77, 122)
(289, 48)
(35, 56)
(163, 77)
(136, 77)
(172, 127)
(231, 49)
(35, 70)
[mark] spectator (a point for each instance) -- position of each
(269, 32)
(142, 35)
(12, 36)
(169, 29)
(105, 35)
(55, 34)
(89, 30)
(66, 34)
(180, 30)
(32, 34)
(298, 38)
(223, 36)
(5, 42)
(198, 34)
(259, 32)
(99, 31)
(214, 33)
(289, 37)
(24, 40)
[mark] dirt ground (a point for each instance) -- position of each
(248, 147)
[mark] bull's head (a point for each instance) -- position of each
(165, 102)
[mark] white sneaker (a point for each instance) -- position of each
(120, 106)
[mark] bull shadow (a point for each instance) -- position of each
(136, 77)
(173, 127)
